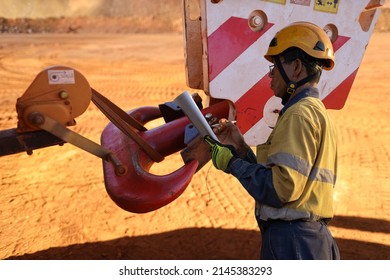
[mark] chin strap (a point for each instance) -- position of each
(291, 86)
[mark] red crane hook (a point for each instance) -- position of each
(140, 191)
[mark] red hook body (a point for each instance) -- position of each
(140, 191)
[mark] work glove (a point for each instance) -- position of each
(221, 155)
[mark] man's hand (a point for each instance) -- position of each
(230, 135)
(221, 155)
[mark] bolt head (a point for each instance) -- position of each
(64, 95)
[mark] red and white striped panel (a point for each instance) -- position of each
(236, 68)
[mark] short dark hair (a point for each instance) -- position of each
(313, 65)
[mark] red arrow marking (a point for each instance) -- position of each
(337, 98)
(228, 42)
(340, 41)
(250, 106)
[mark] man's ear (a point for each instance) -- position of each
(298, 67)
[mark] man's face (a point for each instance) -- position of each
(278, 85)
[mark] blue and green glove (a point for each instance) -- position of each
(221, 155)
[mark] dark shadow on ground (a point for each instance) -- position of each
(192, 244)
(363, 224)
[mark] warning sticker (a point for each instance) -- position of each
(328, 6)
(277, 1)
(301, 2)
(60, 77)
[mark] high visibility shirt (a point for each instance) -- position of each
(296, 170)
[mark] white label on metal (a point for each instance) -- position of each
(61, 77)
(301, 2)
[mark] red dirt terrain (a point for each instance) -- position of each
(53, 204)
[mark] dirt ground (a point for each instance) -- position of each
(53, 204)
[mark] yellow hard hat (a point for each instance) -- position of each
(306, 36)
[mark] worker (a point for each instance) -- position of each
(292, 176)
